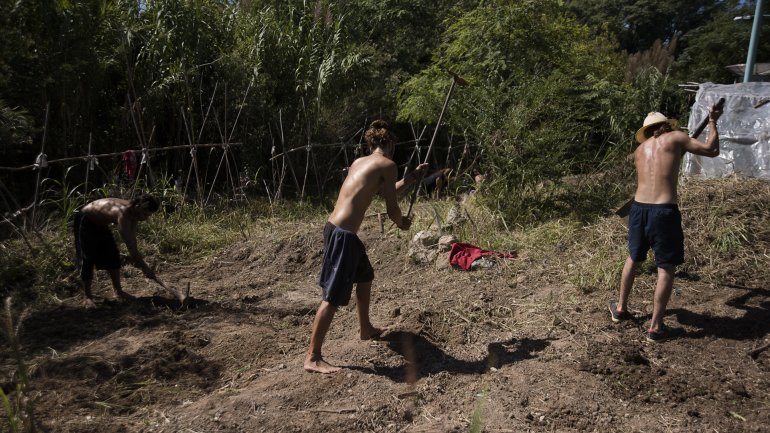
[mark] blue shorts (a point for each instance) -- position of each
(656, 226)
(344, 263)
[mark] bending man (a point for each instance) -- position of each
(95, 245)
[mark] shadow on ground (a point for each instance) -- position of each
(754, 324)
(423, 357)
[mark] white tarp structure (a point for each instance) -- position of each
(744, 131)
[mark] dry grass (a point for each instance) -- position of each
(727, 238)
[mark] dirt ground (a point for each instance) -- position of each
(504, 349)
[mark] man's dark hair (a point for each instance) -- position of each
(378, 135)
(662, 129)
(145, 201)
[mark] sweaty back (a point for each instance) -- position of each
(657, 162)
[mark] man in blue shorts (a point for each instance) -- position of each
(654, 220)
(344, 260)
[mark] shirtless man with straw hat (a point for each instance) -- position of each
(654, 220)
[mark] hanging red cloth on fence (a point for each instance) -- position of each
(463, 255)
(130, 163)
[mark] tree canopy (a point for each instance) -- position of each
(556, 86)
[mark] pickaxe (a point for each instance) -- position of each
(182, 297)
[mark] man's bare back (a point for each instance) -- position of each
(106, 210)
(658, 159)
(367, 176)
(119, 212)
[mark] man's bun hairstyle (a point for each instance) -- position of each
(378, 135)
(146, 201)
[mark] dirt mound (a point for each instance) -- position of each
(526, 345)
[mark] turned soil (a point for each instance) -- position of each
(508, 348)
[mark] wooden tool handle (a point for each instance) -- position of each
(704, 122)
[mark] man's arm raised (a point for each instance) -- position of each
(411, 178)
(711, 147)
(390, 172)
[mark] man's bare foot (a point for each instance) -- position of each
(372, 333)
(184, 298)
(89, 303)
(318, 365)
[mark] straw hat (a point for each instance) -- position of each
(653, 119)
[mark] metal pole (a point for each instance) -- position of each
(748, 72)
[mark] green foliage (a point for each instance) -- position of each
(553, 93)
(718, 43)
(637, 24)
(190, 232)
(546, 99)
(15, 126)
(17, 405)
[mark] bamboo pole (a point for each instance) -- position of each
(449, 150)
(416, 150)
(138, 173)
(231, 173)
(23, 236)
(274, 174)
(88, 164)
(208, 110)
(283, 146)
(307, 169)
(150, 173)
(41, 161)
(214, 182)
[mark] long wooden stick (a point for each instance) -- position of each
(754, 353)
(182, 297)
(430, 147)
(40, 167)
(88, 163)
(286, 158)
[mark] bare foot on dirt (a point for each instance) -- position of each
(184, 298)
(320, 366)
(373, 333)
(89, 303)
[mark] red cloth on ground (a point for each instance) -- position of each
(130, 163)
(463, 255)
